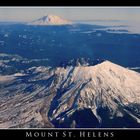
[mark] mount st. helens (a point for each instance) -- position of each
(50, 20)
(100, 95)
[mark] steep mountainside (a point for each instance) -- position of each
(102, 95)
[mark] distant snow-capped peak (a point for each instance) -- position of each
(50, 20)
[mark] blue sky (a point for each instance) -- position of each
(71, 13)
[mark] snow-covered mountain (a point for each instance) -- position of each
(101, 95)
(50, 20)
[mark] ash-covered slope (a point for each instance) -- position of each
(50, 20)
(107, 91)
(103, 95)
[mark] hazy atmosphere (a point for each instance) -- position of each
(72, 13)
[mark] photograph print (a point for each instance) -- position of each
(69, 67)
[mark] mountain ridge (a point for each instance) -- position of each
(108, 93)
